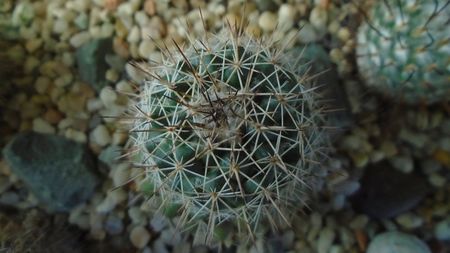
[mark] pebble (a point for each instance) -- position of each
(397, 242)
(158, 222)
(79, 39)
(134, 35)
(120, 174)
(82, 21)
(326, 238)
(33, 44)
(112, 199)
(42, 83)
(359, 222)
(404, 164)
(286, 16)
(113, 225)
(318, 18)
(139, 237)
(75, 135)
(388, 148)
(136, 215)
(42, 126)
(146, 47)
(52, 116)
(94, 104)
(418, 140)
(149, 7)
(409, 220)
(442, 230)
(267, 21)
(112, 75)
(437, 180)
(134, 73)
(100, 136)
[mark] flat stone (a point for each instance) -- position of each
(386, 192)
(91, 62)
(397, 242)
(58, 171)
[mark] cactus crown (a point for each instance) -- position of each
(228, 132)
(404, 49)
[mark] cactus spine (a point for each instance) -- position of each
(227, 132)
(404, 49)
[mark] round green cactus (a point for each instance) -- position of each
(404, 49)
(228, 132)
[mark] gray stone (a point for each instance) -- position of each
(397, 242)
(442, 230)
(59, 172)
(114, 225)
(91, 62)
(386, 192)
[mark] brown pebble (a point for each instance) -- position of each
(361, 238)
(149, 7)
(111, 5)
(53, 116)
(121, 48)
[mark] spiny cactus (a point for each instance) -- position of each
(404, 49)
(228, 133)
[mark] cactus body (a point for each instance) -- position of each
(228, 133)
(404, 49)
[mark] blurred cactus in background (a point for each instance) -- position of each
(404, 49)
(228, 133)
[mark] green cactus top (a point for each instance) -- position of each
(404, 49)
(228, 131)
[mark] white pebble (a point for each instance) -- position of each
(106, 30)
(409, 220)
(75, 135)
(94, 104)
(146, 47)
(402, 163)
(141, 18)
(124, 87)
(318, 18)
(139, 237)
(437, 180)
(42, 126)
(135, 35)
(100, 135)
(134, 73)
(326, 238)
(307, 33)
(267, 21)
(108, 96)
(79, 39)
(60, 26)
(112, 75)
(286, 16)
(120, 174)
(136, 215)
(113, 198)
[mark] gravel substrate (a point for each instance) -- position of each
(48, 92)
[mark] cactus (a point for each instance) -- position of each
(404, 49)
(228, 133)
